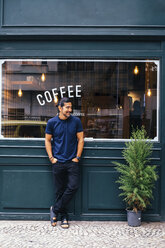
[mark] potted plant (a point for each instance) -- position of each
(137, 176)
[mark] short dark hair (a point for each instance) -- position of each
(63, 100)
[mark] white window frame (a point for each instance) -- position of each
(157, 62)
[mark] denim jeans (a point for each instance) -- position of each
(66, 178)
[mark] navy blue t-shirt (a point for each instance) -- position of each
(64, 133)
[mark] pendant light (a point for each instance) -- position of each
(136, 70)
(149, 92)
(20, 93)
(56, 99)
(43, 77)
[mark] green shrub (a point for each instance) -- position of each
(137, 177)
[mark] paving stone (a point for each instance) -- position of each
(81, 234)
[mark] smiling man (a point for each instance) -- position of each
(64, 153)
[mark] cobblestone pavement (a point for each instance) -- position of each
(81, 234)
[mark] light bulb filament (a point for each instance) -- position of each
(56, 99)
(136, 70)
(149, 92)
(20, 93)
(43, 78)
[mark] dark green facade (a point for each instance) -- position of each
(78, 29)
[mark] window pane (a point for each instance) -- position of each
(110, 97)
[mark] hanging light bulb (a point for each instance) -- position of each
(20, 93)
(43, 78)
(136, 70)
(149, 92)
(56, 99)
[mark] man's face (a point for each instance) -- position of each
(66, 109)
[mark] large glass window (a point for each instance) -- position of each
(110, 97)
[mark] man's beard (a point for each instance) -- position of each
(66, 115)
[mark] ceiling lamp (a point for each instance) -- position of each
(136, 70)
(149, 92)
(20, 93)
(56, 99)
(43, 77)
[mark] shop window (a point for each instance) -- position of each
(110, 97)
(15, 114)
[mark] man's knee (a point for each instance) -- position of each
(73, 187)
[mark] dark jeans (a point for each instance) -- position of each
(66, 179)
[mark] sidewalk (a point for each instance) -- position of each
(84, 234)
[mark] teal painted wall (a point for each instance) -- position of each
(85, 17)
(26, 186)
(85, 29)
(82, 13)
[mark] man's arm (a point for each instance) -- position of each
(80, 145)
(48, 146)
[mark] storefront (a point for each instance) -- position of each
(111, 67)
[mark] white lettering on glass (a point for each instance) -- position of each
(38, 98)
(70, 91)
(62, 92)
(49, 96)
(78, 91)
(54, 93)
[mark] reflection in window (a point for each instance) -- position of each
(110, 97)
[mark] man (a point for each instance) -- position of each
(64, 154)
